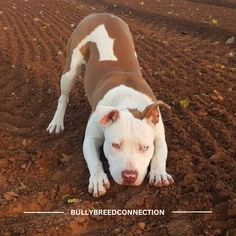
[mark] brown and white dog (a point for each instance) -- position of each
(125, 116)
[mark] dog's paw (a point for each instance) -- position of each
(56, 126)
(160, 179)
(98, 184)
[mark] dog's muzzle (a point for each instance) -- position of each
(129, 176)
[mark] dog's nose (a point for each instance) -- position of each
(129, 176)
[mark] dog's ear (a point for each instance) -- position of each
(106, 115)
(151, 112)
(161, 103)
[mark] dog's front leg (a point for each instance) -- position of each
(98, 181)
(158, 175)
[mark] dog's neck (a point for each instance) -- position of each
(124, 97)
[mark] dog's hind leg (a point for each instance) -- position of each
(74, 61)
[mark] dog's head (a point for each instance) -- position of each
(129, 140)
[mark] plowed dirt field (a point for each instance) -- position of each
(182, 51)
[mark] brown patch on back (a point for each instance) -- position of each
(102, 76)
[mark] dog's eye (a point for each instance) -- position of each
(143, 148)
(116, 145)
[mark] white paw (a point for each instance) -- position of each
(98, 184)
(56, 126)
(160, 178)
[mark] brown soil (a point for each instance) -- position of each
(182, 51)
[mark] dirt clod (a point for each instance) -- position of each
(141, 225)
(10, 196)
(179, 228)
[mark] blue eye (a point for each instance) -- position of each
(116, 145)
(143, 148)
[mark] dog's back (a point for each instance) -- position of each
(103, 43)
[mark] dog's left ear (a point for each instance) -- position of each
(151, 112)
(106, 115)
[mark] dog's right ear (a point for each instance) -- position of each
(106, 115)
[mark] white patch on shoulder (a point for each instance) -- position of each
(103, 41)
(135, 54)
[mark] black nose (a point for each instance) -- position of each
(129, 176)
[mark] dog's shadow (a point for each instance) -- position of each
(105, 163)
